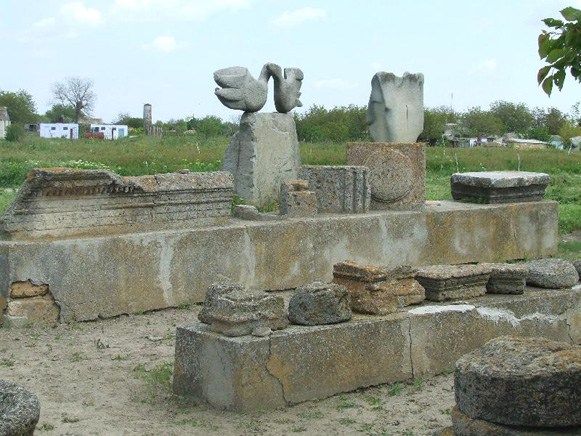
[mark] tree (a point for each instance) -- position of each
(515, 117)
(435, 121)
(77, 93)
(60, 114)
(129, 121)
(20, 105)
(481, 123)
(552, 119)
(561, 49)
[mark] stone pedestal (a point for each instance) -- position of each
(397, 173)
(263, 155)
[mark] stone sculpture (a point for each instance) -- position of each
(395, 112)
(240, 91)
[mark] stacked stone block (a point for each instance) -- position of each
(296, 200)
(376, 290)
(453, 282)
(507, 279)
(320, 304)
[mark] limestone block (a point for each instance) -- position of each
(234, 311)
(397, 173)
(395, 112)
(339, 189)
(521, 381)
(507, 279)
(42, 309)
(70, 202)
(463, 425)
(552, 273)
(27, 289)
(19, 410)
(499, 186)
(296, 200)
(376, 290)
(263, 155)
(452, 282)
(319, 303)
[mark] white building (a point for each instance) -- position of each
(110, 131)
(4, 121)
(59, 130)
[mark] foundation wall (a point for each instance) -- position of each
(114, 274)
(308, 363)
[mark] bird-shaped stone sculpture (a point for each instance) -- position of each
(286, 87)
(239, 90)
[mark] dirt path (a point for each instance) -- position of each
(112, 377)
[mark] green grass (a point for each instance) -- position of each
(146, 155)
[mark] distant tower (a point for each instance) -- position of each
(147, 120)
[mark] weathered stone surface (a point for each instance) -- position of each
(395, 112)
(42, 309)
(376, 290)
(251, 213)
(450, 282)
(577, 265)
(296, 200)
(263, 155)
(521, 381)
(397, 173)
(3, 305)
(234, 311)
(27, 289)
(499, 186)
(339, 189)
(70, 202)
(19, 410)
(320, 303)
(507, 279)
(463, 425)
(552, 273)
(241, 91)
(100, 277)
(287, 87)
(305, 363)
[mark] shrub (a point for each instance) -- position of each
(15, 133)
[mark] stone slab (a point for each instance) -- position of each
(452, 282)
(397, 173)
(465, 426)
(307, 363)
(106, 276)
(263, 155)
(507, 279)
(339, 189)
(532, 382)
(499, 186)
(64, 202)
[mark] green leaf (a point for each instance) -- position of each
(551, 22)
(542, 74)
(559, 79)
(544, 45)
(571, 14)
(555, 55)
(548, 85)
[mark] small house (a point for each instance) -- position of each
(4, 121)
(59, 130)
(110, 131)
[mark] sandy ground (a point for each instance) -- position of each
(112, 377)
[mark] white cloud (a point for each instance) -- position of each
(179, 10)
(292, 19)
(76, 13)
(486, 66)
(44, 23)
(166, 44)
(336, 83)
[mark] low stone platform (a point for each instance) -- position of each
(105, 276)
(306, 363)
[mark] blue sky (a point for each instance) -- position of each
(164, 52)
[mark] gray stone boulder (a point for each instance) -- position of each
(577, 265)
(521, 381)
(232, 310)
(463, 425)
(19, 410)
(552, 274)
(320, 303)
(507, 279)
